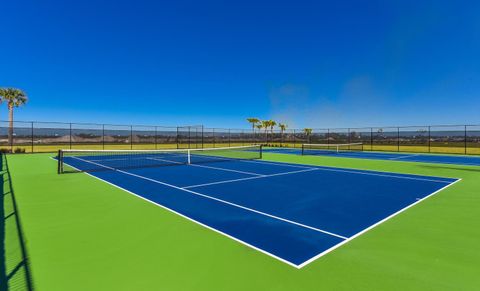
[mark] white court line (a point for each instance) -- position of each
(249, 178)
(276, 164)
(381, 156)
(222, 201)
(372, 226)
(227, 170)
(403, 157)
(446, 163)
(362, 172)
(208, 167)
(190, 219)
(351, 170)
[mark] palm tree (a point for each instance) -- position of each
(254, 122)
(14, 98)
(259, 126)
(308, 132)
(265, 125)
(272, 125)
(282, 127)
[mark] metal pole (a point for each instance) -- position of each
(294, 139)
(156, 137)
(465, 140)
(10, 135)
(177, 138)
(429, 137)
(371, 138)
(131, 137)
(229, 138)
(103, 136)
(213, 137)
(349, 138)
(398, 139)
(70, 136)
(60, 162)
(32, 136)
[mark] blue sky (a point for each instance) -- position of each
(308, 63)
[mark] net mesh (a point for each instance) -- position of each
(322, 149)
(102, 160)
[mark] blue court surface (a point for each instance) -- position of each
(406, 157)
(294, 213)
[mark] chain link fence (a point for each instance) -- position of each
(52, 136)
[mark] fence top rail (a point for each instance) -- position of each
(297, 130)
(98, 124)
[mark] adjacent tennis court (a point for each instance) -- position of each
(293, 213)
(356, 150)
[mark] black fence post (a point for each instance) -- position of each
(429, 138)
(294, 139)
(213, 138)
(70, 134)
(10, 135)
(202, 137)
(398, 139)
(32, 136)
(349, 139)
(465, 140)
(189, 137)
(103, 136)
(229, 138)
(131, 137)
(155, 139)
(371, 138)
(328, 136)
(177, 139)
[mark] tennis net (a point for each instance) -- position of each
(322, 149)
(101, 160)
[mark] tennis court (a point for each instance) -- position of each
(358, 153)
(293, 213)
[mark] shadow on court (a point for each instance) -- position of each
(14, 270)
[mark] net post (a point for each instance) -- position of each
(261, 151)
(60, 162)
(303, 149)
